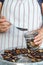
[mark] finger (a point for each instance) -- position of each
(3, 17)
(1, 30)
(4, 30)
(5, 23)
(2, 20)
(39, 42)
(37, 36)
(37, 39)
(4, 26)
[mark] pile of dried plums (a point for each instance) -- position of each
(34, 55)
(12, 55)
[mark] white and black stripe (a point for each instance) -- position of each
(25, 14)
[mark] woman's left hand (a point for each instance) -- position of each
(39, 38)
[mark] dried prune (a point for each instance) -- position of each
(12, 55)
(24, 51)
(17, 51)
(33, 60)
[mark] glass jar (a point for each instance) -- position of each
(29, 36)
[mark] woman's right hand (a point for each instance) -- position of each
(4, 24)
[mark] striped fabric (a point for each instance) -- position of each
(21, 13)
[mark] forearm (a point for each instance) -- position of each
(42, 8)
(0, 5)
(0, 8)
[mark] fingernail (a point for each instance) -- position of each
(34, 40)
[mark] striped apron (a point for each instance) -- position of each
(21, 13)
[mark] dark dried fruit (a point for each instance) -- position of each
(17, 51)
(7, 51)
(12, 55)
(24, 51)
(33, 60)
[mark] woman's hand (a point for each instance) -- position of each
(4, 25)
(39, 38)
